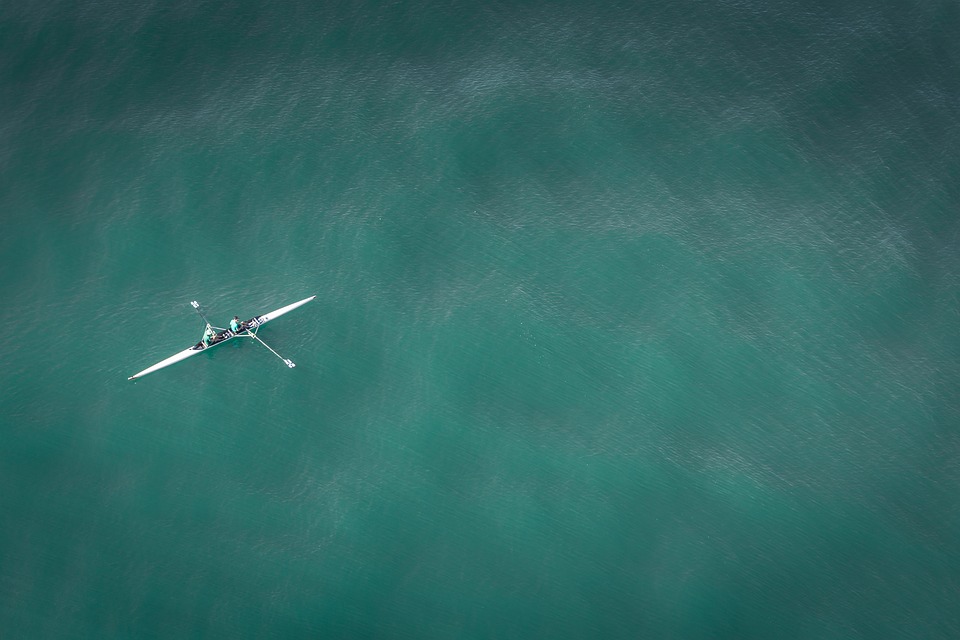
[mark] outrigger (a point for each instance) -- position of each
(247, 329)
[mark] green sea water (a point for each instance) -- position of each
(637, 320)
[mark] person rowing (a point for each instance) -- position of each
(235, 325)
(208, 336)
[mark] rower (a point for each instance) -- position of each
(208, 335)
(235, 324)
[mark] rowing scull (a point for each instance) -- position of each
(249, 330)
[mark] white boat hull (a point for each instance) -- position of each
(252, 323)
(273, 315)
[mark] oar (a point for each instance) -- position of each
(286, 361)
(196, 305)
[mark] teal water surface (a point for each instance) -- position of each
(632, 321)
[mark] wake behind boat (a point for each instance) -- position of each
(246, 329)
